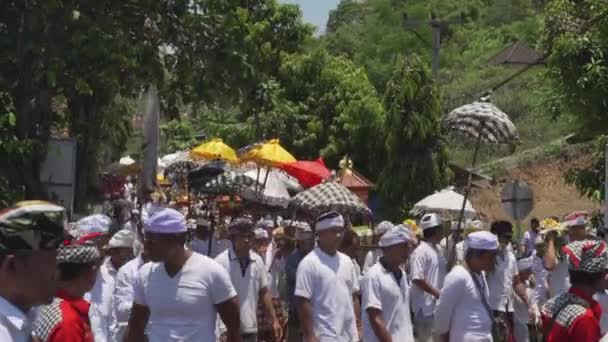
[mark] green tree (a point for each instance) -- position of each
(575, 34)
(416, 158)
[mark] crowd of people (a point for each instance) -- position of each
(178, 279)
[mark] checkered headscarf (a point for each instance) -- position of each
(78, 254)
(587, 256)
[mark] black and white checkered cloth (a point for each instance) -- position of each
(329, 196)
(47, 319)
(482, 118)
(78, 254)
(568, 308)
(587, 256)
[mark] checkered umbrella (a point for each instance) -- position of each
(484, 120)
(329, 196)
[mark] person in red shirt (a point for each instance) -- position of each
(67, 317)
(574, 315)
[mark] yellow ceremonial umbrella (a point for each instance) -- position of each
(270, 153)
(214, 149)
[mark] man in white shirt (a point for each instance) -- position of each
(463, 313)
(427, 271)
(123, 293)
(386, 292)
(201, 241)
(374, 254)
(522, 321)
(555, 261)
(529, 240)
(325, 287)
(29, 237)
(101, 314)
(503, 280)
(178, 296)
(249, 277)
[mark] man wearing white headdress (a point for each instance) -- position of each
(101, 313)
(326, 284)
(305, 242)
(386, 292)
(374, 254)
(427, 271)
(521, 311)
(463, 313)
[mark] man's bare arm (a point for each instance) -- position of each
(137, 323)
(229, 312)
(378, 325)
(305, 315)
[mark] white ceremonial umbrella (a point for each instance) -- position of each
(447, 203)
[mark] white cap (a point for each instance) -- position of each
(430, 221)
(97, 223)
(483, 240)
(122, 239)
(265, 223)
(329, 220)
(396, 235)
(383, 227)
(524, 264)
(303, 232)
(203, 222)
(260, 233)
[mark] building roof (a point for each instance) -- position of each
(354, 180)
(518, 53)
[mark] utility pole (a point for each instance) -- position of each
(436, 25)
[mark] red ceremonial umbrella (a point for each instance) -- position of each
(308, 172)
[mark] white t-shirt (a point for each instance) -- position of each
(247, 286)
(329, 282)
(182, 308)
(371, 258)
(15, 326)
(529, 242)
(500, 282)
(123, 295)
(559, 278)
(101, 314)
(602, 299)
(426, 263)
(541, 290)
(379, 290)
(460, 309)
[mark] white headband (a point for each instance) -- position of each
(330, 222)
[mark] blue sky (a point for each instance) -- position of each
(315, 11)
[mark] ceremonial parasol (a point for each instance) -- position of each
(447, 203)
(214, 149)
(329, 196)
(273, 192)
(308, 172)
(483, 121)
(270, 153)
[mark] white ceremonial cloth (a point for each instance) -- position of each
(500, 281)
(460, 309)
(247, 286)
(428, 263)
(101, 314)
(329, 282)
(182, 308)
(15, 325)
(379, 290)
